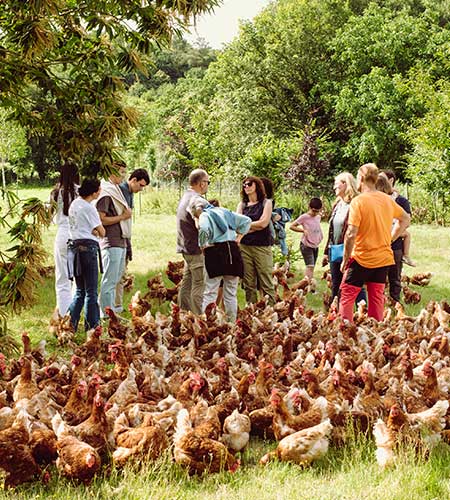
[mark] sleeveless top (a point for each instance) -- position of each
(263, 237)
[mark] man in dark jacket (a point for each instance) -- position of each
(190, 295)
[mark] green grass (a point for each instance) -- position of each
(349, 472)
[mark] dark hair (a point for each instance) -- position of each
(260, 189)
(390, 174)
(315, 203)
(140, 174)
(68, 177)
(214, 202)
(383, 184)
(88, 187)
(268, 186)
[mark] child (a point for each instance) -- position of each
(309, 225)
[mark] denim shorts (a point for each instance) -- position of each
(309, 255)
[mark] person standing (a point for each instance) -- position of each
(256, 245)
(85, 228)
(309, 225)
(394, 271)
(345, 190)
(367, 247)
(217, 232)
(190, 294)
(62, 196)
(136, 182)
(115, 215)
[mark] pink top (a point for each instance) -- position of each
(311, 223)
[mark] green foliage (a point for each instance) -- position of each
(62, 67)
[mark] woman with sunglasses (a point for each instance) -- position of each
(256, 246)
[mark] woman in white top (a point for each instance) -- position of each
(85, 230)
(62, 195)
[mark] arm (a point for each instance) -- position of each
(297, 227)
(403, 222)
(265, 218)
(114, 219)
(349, 243)
(99, 231)
(239, 208)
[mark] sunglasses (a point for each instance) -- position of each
(247, 184)
(207, 182)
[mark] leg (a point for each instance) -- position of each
(211, 290)
(184, 294)
(375, 291)
(394, 276)
(63, 286)
(406, 243)
(249, 278)
(90, 272)
(113, 263)
(336, 278)
(197, 266)
(230, 286)
(118, 303)
(76, 306)
(352, 282)
(264, 266)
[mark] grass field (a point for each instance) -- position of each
(346, 473)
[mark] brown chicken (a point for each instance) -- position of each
(16, 457)
(26, 386)
(116, 329)
(284, 423)
(303, 446)
(146, 441)
(199, 454)
(76, 459)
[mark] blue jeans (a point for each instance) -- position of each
(113, 260)
(86, 292)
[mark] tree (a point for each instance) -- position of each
(62, 64)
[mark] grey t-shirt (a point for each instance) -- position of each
(340, 214)
(187, 233)
(113, 237)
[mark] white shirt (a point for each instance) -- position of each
(83, 218)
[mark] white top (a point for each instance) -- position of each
(83, 218)
(59, 218)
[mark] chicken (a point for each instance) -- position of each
(76, 460)
(127, 392)
(385, 442)
(174, 271)
(303, 446)
(116, 329)
(42, 443)
(284, 423)
(16, 457)
(94, 430)
(62, 328)
(236, 431)
(146, 441)
(26, 386)
(411, 297)
(199, 454)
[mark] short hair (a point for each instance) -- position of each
(268, 186)
(369, 173)
(214, 202)
(140, 174)
(315, 203)
(383, 184)
(260, 189)
(351, 191)
(390, 174)
(197, 203)
(88, 187)
(197, 176)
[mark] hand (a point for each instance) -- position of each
(126, 214)
(325, 261)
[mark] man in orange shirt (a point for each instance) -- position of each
(367, 246)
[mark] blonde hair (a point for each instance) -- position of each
(369, 173)
(350, 190)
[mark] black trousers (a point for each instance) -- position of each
(395, 275)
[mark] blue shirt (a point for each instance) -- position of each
(217, 225)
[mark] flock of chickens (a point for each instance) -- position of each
(197, 387)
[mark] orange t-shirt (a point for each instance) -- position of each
(373, 213)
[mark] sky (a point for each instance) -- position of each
(222, 25)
